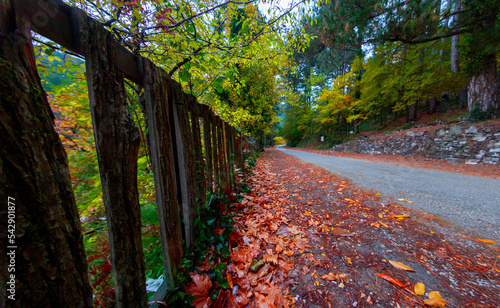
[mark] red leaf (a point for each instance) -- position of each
(200, 287)
(392, 280)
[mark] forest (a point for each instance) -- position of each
(279, 72)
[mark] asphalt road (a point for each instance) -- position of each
(470, 202)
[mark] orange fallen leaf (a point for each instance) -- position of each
(326, 228)
(349, 260)
(380, 215)
(401, 266)
(289, 252)
(391, 280)
(485, 241)
(299, 198)
(419, 288)
(405, 200)
(229, 280)
(400, 216)
(271, 259)
(383, 224)
(435, 300)
(306, 213)
(360, 174)
(375, 224)
(200, 288)
(279, 248)
(329, 277)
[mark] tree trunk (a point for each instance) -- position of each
(412, 113)
(433, 104)
(50, 263)
(454, 40)
(483, 88)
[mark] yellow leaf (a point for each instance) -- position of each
(419, 288)
(434, 294)
(401, 266)
(400, 216)
(317, 283)
(405, 200)
(485, 241)
(377, 194)
(380, 215)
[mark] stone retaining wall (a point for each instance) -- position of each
(455, 143)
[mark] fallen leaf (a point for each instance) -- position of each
(317, 283)
(435, 300)
(279, 248)
(229, 280)
(289, 252)
(380, 215)
(268, 258)
(401, 216)
(349, 260)
(485, 241)
(256, 265)
(306, 213)
(391, 280)
(360, 174)
(375, 224)
(200, 288)
(383, 224)
(419, 288)
(405, 200)
(329, 277)
(401, 266)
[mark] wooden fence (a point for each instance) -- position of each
(192, 150)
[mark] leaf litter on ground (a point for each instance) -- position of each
(344, 240)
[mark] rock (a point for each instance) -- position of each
(456, 130)
(497, 150)
(410, 134)
(472, 162)
(421, 133)
(479, 138)
(455, 160)
(471, 130)
(440, 132)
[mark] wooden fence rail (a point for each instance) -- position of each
(192, 150)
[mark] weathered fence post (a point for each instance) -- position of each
(200, 180)
(186, 160)
(117, 145)
(50, 263)
(215, 149)
(221, 153)
(161, 154)
(207, 136)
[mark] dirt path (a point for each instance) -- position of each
(305, 223)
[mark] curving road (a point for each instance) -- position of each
(470, 202)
